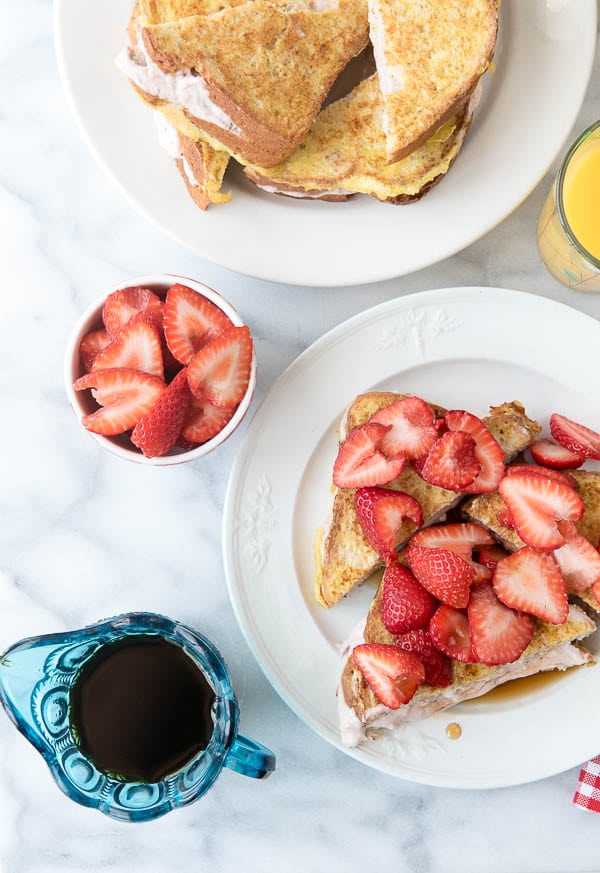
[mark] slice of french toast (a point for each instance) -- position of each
(344, 557)
(361, 714)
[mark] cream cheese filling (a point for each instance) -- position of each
(185, 88)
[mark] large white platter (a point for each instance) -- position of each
(461, 348)
(544, 60)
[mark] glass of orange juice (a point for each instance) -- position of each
(568, 234)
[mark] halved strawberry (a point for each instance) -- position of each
(220, 371)
(557, 475)
(505, 518)
(405, 605)
(137, 347)
(449, 630)
(575, 437)
(487, 451)
(125, 395)
(578, 560)
(499, 635)
(450, 462)
(91, 345)
(536, 503)
(204, 421)
(490, 555)
(121, 306)
(438, 667)
(413, 429)
(530, 581)
(381, 514)
(459, 538)
(392, 674)
(191, 322)
(157, 431)
(551, 454)
(360, 461)
(443, 573)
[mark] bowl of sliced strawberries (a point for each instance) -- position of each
(160, 370)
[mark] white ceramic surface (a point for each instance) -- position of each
(544, 60)
(84, 535)
(438, 345)
(91, 319)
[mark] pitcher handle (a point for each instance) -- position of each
(249, 758)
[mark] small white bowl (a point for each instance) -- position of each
(82, 403)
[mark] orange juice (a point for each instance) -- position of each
(581, 195)
(568, 233)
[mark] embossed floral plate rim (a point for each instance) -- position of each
(462, 348)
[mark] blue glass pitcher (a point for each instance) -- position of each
(36, 678)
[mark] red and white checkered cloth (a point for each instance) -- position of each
(587, 795)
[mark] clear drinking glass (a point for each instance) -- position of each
(561, 251)
(36, 677)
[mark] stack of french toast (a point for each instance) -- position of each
(488, 535)
(317, 99)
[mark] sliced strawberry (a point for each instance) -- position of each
(137, 347)
(392, 674)
(536, 503)
(220, 371)
(490, 555)
(449, 630)
(121, 306)
(550, 454)
(204, 421)
(381, 514)
(157, 431)
(361, 463)
(505, 518)
(459, 538)
(499, 635)
(191, 322)
(575, 437)
(450, 462)
(438, 667)
(578, 560)
(91, 345)
(187, 445)
(487, 451)
(443, 573)
(530, 581)
(405, 604)
(125, 396)
(557, 475)
(413, 429)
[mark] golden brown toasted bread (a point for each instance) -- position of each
(430, 56)
(344, 557)
(484, 509)
(345, 153)
(551, 648)
(253, 60)
(201, 166)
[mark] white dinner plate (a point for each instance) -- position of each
(465, 348)
(544, 59)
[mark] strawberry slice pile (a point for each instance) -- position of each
(467, 600)
(172, 372)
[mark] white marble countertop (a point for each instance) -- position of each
(84, 535)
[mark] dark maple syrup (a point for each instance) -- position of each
(141, 709)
